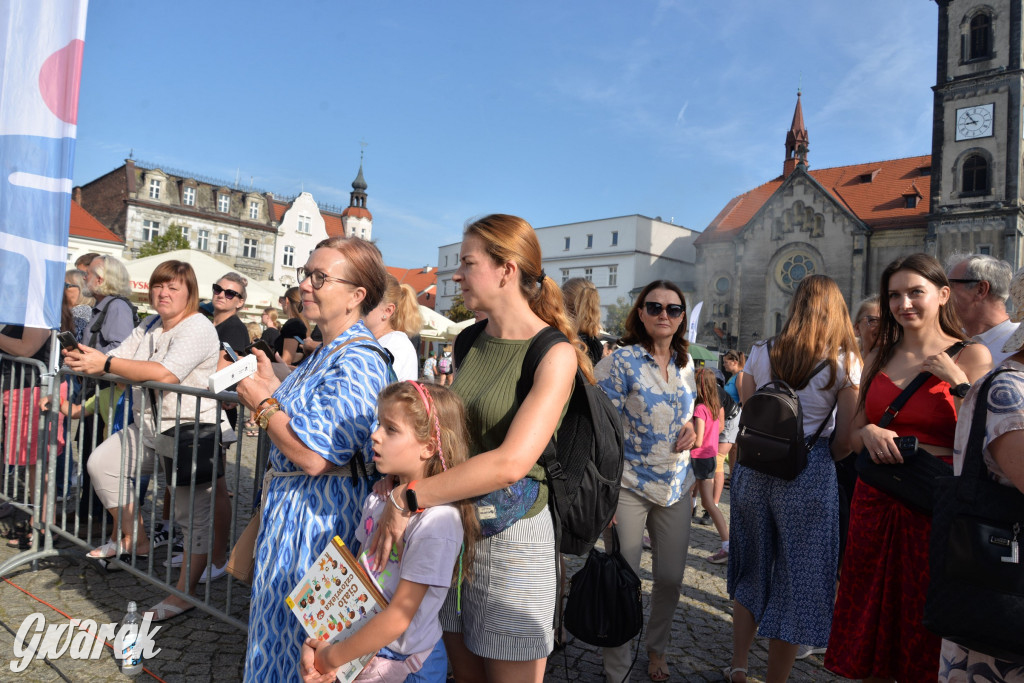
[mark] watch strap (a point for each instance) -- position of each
(410, 497)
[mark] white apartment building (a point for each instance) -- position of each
(619, 255)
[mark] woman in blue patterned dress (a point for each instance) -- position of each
(784, 535)
(318, 419)
(650, 380)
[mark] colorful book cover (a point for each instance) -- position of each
(335, 599)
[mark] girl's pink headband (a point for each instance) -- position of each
(428, 403)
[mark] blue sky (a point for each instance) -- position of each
(558, 111)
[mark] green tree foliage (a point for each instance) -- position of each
(161, 244)
(458, 312)
(615, 323)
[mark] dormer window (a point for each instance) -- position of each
(154, 188)
(869, 176)
(188, 197)
(910, 201)
(223, 203)
(254, 210)
(925, 170)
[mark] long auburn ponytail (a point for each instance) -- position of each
(510, 238)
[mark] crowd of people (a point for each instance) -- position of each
(402, 459)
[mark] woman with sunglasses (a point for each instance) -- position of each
(296, 325)
(228, 300)
(650, 381)
(319, 421)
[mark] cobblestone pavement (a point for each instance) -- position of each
(199, 647)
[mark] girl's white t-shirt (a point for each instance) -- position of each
(406, 365)
(815, 400)
(433, 541)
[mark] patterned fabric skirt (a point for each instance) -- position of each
(877, 629)
(784, 548)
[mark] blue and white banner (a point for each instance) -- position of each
(41, 45)
(691, 327)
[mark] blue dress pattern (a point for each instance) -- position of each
(653, 412)
(331, 399)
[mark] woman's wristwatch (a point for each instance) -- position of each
(410, 498)
(267, 407)
(960, 390)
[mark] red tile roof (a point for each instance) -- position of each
(875, 192)
(333, 225)
(83, 224)
(357, 211)
(425, 283)
(279, 210)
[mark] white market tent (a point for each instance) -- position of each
(453, 330)
(260, 293)
(434, 325)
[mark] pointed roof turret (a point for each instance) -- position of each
(797, 141)
(359, 183)
(357, 202)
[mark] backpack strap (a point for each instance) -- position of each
(95, 329)
(464, 342)
(894, 408)
(817, 368)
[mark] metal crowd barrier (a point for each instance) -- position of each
(73, 518)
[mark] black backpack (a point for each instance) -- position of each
(583, 461)
(95, 329)
(771, 432)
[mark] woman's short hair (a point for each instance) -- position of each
(636, 333)
(865, 303)
(238, 279)
(181, 271)
(77, 278)
(364, 265)
(583, 304)
(116, 281)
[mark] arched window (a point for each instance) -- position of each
(980, 37)
(975, 175)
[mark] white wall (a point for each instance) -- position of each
(288, 235)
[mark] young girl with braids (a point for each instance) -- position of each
(422, 432)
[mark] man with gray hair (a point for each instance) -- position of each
(979, 286)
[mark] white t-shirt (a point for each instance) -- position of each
(995, 338)
(815, 401)
(433, 541)
(406, 365)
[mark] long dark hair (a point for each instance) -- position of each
(636, 333)
(890, 332)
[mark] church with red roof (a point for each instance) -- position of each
(849, 222)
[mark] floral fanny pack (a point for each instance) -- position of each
(498, 510)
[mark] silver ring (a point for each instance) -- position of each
(879, 452)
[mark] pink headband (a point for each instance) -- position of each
(428, 403)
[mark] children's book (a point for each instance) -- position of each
(335, 599)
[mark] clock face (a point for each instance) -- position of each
(974, 122)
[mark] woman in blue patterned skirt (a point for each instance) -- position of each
(318, 419)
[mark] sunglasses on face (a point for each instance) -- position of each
(654, 309)
(68, 285)
(228, 293)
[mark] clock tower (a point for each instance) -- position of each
(977, 196)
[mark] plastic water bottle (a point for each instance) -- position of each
(131, 652)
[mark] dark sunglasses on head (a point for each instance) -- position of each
(653, 308)
(229, 293)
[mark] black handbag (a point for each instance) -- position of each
(604, 607)
(976, 594)
(194, 442)
(912, 483)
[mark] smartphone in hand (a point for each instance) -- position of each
(262, 346)
(67, 341)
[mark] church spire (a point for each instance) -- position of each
(796, 141)
(358, 194)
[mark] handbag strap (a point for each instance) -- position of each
(974, 462)
(897, 405)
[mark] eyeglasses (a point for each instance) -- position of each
(317, 279)
(69, 285)
(653, 308)
(964, 282)
(871, 320)
(228, 293)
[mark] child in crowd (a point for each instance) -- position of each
(422, 432)
(708, 417)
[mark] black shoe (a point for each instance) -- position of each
(704, 519)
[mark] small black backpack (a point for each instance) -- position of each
(583, 461)
(771, 432)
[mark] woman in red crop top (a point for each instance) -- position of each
(877, 630)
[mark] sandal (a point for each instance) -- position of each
(163, 611)
(21, 539)
(730, 670)
(111, 549)
(657, 667)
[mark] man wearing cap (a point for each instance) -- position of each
(979, 286)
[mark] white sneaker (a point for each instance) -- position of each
(213, 572)
(805, 651)
(175, 561)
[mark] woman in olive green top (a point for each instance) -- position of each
(505, 630)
